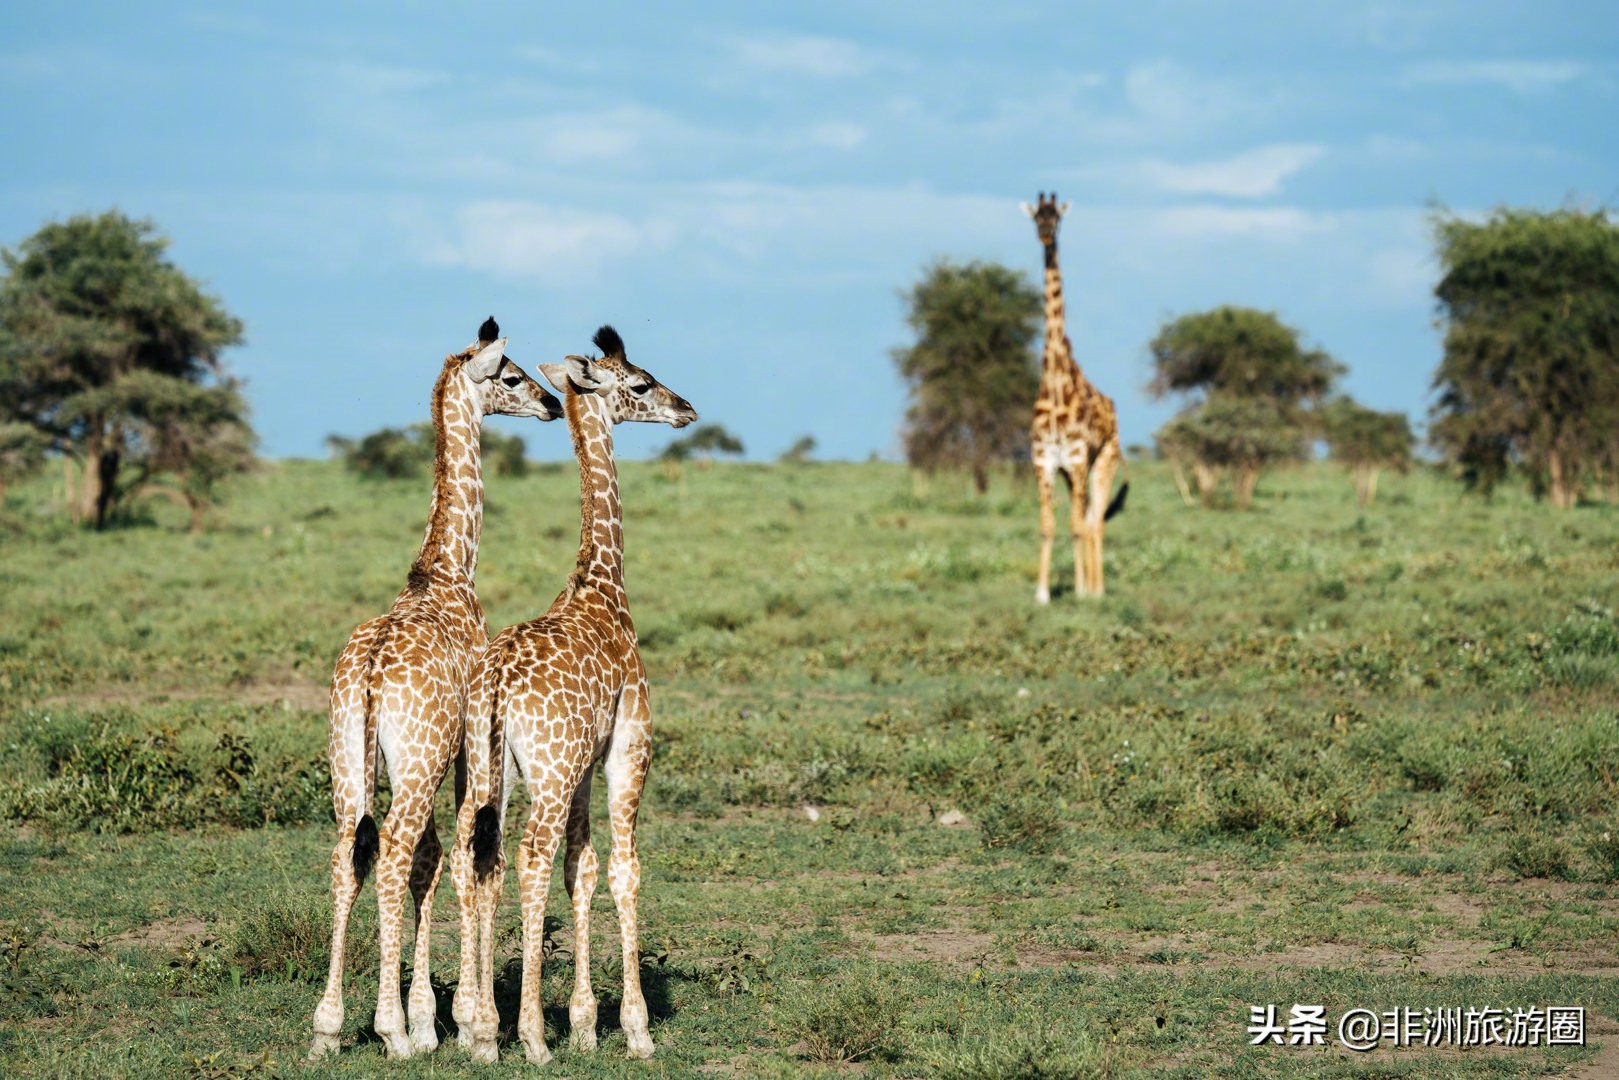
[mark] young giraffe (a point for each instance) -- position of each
(554, 696)
(1075, 431)
(399, 688)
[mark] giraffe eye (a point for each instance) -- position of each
(640, 388)
(513, 381)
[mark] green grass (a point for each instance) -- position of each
(1304, 754)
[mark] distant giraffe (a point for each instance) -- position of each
(1075, 432)
(553, 697)
(399, 688)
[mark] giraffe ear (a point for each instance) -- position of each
(1063, 209)
(1027, 209)
(486, 361)
(588, 374)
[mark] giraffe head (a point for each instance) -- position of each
(497, 384)
(629, 392)
(1047, 214)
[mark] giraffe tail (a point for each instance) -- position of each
(366, 840)
(486, 838)
(1117, 504)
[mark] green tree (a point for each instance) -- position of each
(1366, 441)
(1252, 388)
(973, 371)
(22, 451)
(1238, 435)
(91, 313)
(800, 451)
(507, 455)
(1530, 375)
(702, 443)
(387, 453)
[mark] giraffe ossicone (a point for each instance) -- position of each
(397, 695)
(552, 698)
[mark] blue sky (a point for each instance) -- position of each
(745, 189)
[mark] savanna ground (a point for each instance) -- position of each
(1306, 754)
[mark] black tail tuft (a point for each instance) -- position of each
(365, 847)
(1118, 501)
(485, 841)
(490, 330)
(608, 341)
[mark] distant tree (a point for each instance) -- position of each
(973, 371)
(505, 454)
(195, 434)
(96, 328)
(1252, 389)
(1241, 436)
(704, 441)
(388, 453)
(1530, 374)
(799, 452)
(1366, 441)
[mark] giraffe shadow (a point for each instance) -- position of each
(656, 983)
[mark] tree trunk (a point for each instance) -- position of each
(1242, 485)
(1180, 483)
(107, 493)
(1564, 487)
(90, 490)
(980, 478)
(1207, 477)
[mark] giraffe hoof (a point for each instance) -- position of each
(536, 1051)
(397, 1046)
(481, 1049)
(582, 1038)
(1042, 596)
(322, 1046)
(640, 1045)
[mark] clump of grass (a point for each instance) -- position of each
(1528, 856)
(288, 938)
(859, 1018)
(1603, 849)
(1021, 1055)
(1028, 823)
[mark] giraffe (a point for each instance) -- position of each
(1075, 432)
(552, 697)
(399, 688)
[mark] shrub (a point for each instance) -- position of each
(860, 1018)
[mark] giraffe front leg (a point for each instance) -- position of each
(1101, 486)
(425, 868)
(579, 874)
(534, 856)
(1078, 530)
(627, 763)
(1048, 533)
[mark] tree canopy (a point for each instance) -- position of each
(1529, 302)
(973, 371)
(1252, 388)
(111, 354)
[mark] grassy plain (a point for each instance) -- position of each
(1304, 754)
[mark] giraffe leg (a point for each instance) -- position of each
(579, 874)
(345, 890)
(627, 759)
(486, 1018)
(1048, 531)
(404, 824)
(535, 854)
(467, 987)
(1075, 476)
(1101, 486)
(425, 868)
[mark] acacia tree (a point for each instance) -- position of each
(1252, 389)
(1530, 374)
(1366, 441)
(103, 342)
(973, 371)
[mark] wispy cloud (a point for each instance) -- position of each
(1519, 76)
(802, 55)
(526, 239)
(1251, 174)
(1281, 223)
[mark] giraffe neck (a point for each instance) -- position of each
(1057, 356)
(601, 528)
(449, 552)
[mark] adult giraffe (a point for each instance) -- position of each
(1075, 432)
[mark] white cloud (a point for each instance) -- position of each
(1282, 223)
(802, 54)
(838, 136)
(1247, 175)
(526, 239)
(1519, 76)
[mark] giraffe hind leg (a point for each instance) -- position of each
(1048, 531)
(426, 865)
(579, 874)
(627, 760)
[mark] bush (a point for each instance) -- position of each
(289, 938)
(858, 1019)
